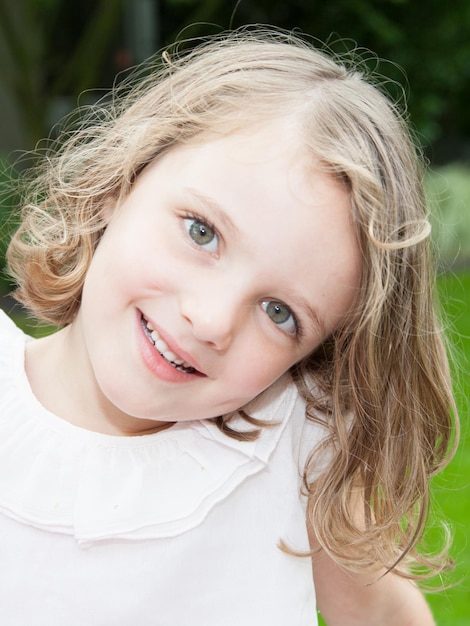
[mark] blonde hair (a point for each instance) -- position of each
(381, 380)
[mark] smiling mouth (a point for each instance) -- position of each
(160, 346)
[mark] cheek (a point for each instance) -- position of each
(258, 366)
(130, 256)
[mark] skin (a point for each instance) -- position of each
(283, 238)
(281, 233)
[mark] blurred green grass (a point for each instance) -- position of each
(452, 488)
(448, 195)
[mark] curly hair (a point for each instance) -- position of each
(381, 380)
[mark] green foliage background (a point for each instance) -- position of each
(51, 49)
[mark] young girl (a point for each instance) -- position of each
(249, 378)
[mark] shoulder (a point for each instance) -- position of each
(12, 342)
(12, 346)
(8, 329)
(306, 432)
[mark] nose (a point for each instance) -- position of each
(215, 318)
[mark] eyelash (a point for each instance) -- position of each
(299, 332)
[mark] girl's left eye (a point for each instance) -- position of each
(281, 315)
(202, 233)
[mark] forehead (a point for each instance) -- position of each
(255, 153)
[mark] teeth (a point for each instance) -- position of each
(159, 344)
(171, 356)
(164, 350)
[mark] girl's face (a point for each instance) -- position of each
(229, 261)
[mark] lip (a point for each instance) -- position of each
(157, 363)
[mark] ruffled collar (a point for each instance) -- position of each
(62, 478)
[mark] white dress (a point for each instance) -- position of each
(177, 528)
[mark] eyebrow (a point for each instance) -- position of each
(224, 219)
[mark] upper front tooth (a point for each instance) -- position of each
(159, 343)
(161, 346)
(164, 350)
(169, 355)
(149, 325)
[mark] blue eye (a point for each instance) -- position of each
(202, 233)
(281, 315)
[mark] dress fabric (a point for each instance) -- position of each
(176, 528)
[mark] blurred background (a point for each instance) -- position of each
(55, 54)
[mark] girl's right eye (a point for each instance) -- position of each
(202, 233)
